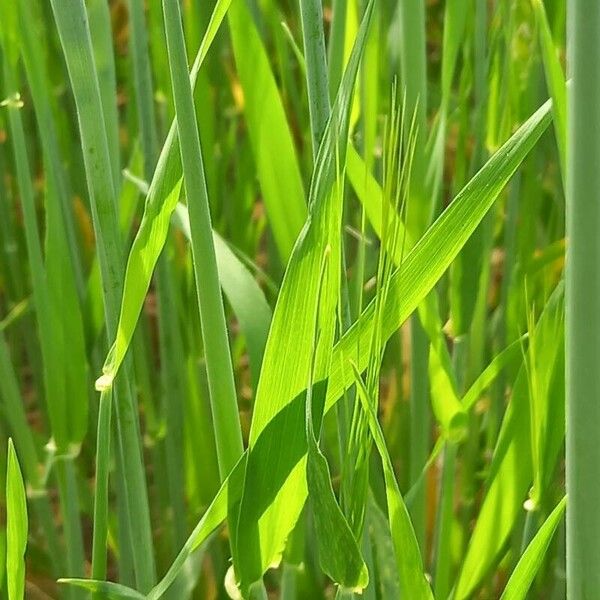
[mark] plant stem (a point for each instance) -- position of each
(72, 23)
(583, 302)
(311, 12)
(419, 424)
(100, 535)
(219, 368)
(336, 45)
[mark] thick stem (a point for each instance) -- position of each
(583, 302)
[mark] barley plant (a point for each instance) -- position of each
(284, 311)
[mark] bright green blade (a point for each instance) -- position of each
(16, 527)
(272, 145)
(509, 355)
(273, 496)
(530, 562)
(446, 405)
(149, 241)
(435, 251)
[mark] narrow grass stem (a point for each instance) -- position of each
(210, 302)
(311, 12)
(73, 29)
(100, 535)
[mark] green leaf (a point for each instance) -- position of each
(339, 555)
(272, 145)
(107, 589)
(522, 577)
(16, 527)
(465, 213)
(435, 251)
(149, 241)
(511, 353)
(413, 582)
(275, 491)
(444, 398)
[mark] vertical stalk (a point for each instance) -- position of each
(219, 367)
(443, 560)
(583, 302)
(74, 33)
(414, 84)
(336, 45)
(173, 372)
(311, 12)
(100, 535)
(420, 425)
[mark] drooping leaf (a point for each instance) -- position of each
(339, 554)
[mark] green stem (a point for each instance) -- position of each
(100, 536)
(336, 45)
(443, 565)
(219, 368)
(583, 302)
(64, 468)
(420, 423)
(74, 33)
(311, 12)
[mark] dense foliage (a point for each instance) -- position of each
(314, 292)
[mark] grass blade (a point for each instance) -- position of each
(269, 132)
(16, 527)
(274, 497)
(522, 577)
(219, 367)
(413, 582)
